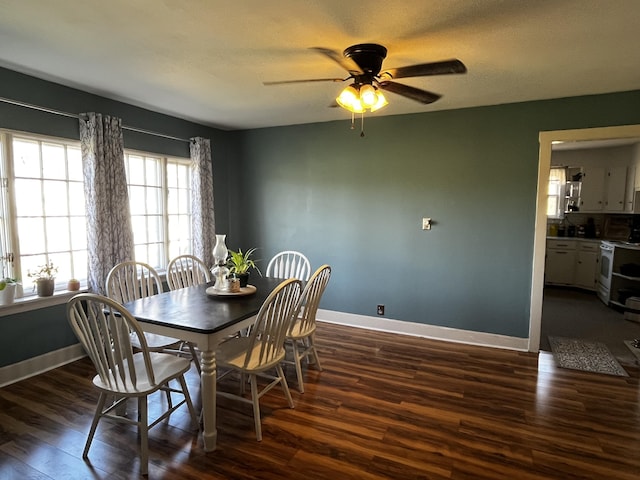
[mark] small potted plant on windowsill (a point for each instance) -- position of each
(239, 264)
(8, 290)
(44, 279)
(8, 286)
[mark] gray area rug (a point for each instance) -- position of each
(585, 355)
(572, 313)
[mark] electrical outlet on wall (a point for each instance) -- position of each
(426, 223)
(380, 309)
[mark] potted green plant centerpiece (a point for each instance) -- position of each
(44, 278)
(239, 264)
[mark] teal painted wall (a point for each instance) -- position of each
(29, 334)
(357, 204)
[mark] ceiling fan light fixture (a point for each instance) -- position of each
(381, 101)
(356, 107)
(349, 99)
(359, 99)
(368, 96)
(364, 64)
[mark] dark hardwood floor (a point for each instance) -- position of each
(386, 406)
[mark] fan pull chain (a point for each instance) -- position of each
(353, 122)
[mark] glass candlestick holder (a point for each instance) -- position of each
(220, 274)
(220, 271)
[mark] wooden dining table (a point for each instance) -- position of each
(192, 315)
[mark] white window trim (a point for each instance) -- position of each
(5, 135)
(164, 160)
(30, 300)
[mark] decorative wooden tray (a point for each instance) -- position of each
(248, 290)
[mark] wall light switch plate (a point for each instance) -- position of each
(426, 224)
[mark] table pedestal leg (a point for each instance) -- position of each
(208, 389)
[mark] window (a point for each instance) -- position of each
(43, 217)
(42, 208)
(556, 194)
(160, 203)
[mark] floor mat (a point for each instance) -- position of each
(585, 355)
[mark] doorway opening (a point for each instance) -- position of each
(547, 140)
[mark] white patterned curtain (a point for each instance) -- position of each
(109, 232)
(203, 221)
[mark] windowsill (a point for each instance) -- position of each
(30, 301)
(33, 302)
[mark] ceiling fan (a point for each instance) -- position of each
(364, 64)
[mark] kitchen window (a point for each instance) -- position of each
(42, 210)
(556, 192)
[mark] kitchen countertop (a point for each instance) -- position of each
(579, 239)
(615, 243)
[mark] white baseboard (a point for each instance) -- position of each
(34, 366)
(40, 364)
(423, 330)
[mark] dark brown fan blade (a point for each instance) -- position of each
(425, 69)
(413, 93)
(282, 82)
(345, 62)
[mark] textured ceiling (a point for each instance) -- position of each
(205, 60)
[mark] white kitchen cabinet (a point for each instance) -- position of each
(560, 262)
(592, 190)
(572, 262)
(636, 165)
(603, 189)
(630, 190)
(615, 187)
(586, 267)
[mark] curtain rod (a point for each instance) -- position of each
(74, 115)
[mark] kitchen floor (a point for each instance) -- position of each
(575, 313)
